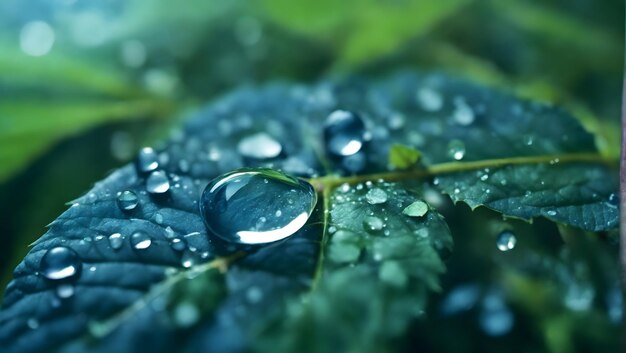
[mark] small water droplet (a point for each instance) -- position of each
(60, 263)
(188, 259)
(32, 323)
(158, 218)
(65, 291)
(140, 240)
(157, 182)
(463, 113)
(116, 241)
(429, 99)
(344, 133)
(376, 196)
(456, 149)
(259, 146)
(147, 160)
(416, 209)
(178, 244)
(506, 241)
(186, 314)
(127, 200)
(373, 223)
(613, 200)
(529, 140)
(254, 295)
(551, 213)
(234, 204)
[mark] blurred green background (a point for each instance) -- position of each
(84, 84)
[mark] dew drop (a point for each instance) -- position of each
(140, 240)
(376, 196)
(186, 314)
(116, 241)
(188, 259)
(233, 205)
(416, 209)
(32, 323)
(344, 133)
(506, 241)
(60, 263)
(551, 213)
(259, 146)
(127, 200)
(147, 160)
(613, 200)
(65, 291)
(463, 113)
(429, 99)
(373, 223)
(157, 182)
(178, 244)
(456, 149)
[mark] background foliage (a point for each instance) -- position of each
(68, 117)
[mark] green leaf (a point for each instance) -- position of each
(361, 31)
(374, 277)
(403, 157)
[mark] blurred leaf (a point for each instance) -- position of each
(29, 127)
(364, 30)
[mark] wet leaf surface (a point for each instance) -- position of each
(147, 291)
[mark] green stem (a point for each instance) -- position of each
(332, 181)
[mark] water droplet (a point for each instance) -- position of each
(506, 241)
(456, 149)
(36, 38)
(186, 314)
(60, 263)
(65, 291)
(429, 99)
(127, 200)
(233, 205)
(344, 133)
(416, 209)
(373, 223)
(116, 241)
(551, 213)
(529, 140)
(376, 196)
(613, 200)
(140, 240)
(32, 323)
(178, 244)
(496, 319)
(188, 259)
(461, 298)
(259, 146)
(147, 160)
(463, 113)
(254, 294)
(157, 182)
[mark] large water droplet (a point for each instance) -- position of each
(116, 241)
(240, 206)
(147, 160)
(506, 241)
(456, 149)
(376, 196)
(60, 263)
(127, 200)
(157, 182)
(344, 133)
(140, 240)
(259, 146)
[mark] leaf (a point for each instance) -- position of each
(403, 157)
(374, 280)
(363, 30)
(129, 298)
